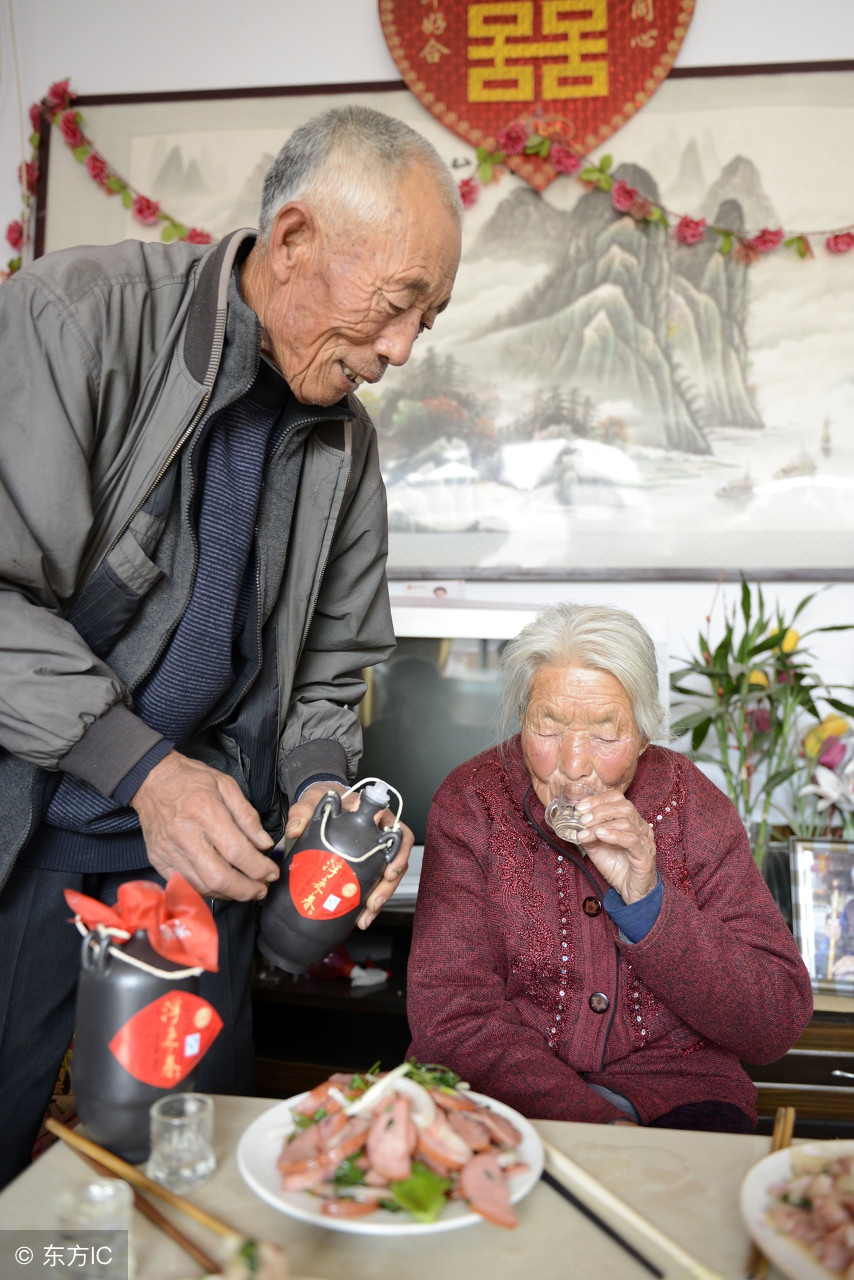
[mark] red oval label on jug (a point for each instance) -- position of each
(162, 1043)
(322, 885)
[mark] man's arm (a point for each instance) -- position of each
(52, 687)
(65, 396)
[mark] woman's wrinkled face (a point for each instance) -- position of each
(579, 733)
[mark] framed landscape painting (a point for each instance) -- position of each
(598, 401)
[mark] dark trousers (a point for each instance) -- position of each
(39, 967)
(713, 1117)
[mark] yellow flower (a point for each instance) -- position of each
(758, 677)
(833, 725)
(790, 640)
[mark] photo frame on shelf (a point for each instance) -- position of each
(823, 911)
(599, 402)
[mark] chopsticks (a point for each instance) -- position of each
(551, 1181)
(136, 1178)
(619, 1209)
(150, 1211)
(781, 1137)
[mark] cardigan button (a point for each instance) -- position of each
(591, 906)
(599, 1002)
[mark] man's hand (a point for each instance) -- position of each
(196, 820)
(391, 877)
(619, 843)
(300, 814)
(301, 811)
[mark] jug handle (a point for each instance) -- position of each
(96, 952)
(392, 844)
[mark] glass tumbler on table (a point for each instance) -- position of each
(182, 1155)
(95, 1224)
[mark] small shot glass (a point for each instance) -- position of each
(563, 818)
(182, 1155)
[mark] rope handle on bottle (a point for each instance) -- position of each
(107, 934)
(395, 826)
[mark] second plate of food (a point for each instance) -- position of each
(786, 1230)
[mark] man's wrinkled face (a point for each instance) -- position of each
(352, 304)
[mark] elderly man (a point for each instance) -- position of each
(192, 549)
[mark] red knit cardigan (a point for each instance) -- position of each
(506, 957)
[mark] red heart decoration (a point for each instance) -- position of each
(572, 71)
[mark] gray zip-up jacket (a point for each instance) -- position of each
(113, 360)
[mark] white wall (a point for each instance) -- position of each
(123, 46)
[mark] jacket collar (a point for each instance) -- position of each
(205, 331)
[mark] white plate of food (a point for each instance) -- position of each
(357, 1207)
(792, 1217)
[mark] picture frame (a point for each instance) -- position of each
(518, 442)
(823, 911)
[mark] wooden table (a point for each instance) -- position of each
(685, 1183)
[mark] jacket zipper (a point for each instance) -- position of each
(319, 579)
(176, 449)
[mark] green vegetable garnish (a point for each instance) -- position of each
(248, 1251)
(348, 1173)
(305, 1122)
(423, 1194)
(364, 1080)
(432, 1075)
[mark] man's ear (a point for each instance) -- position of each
(293, 232)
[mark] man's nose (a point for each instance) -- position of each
(395, 342)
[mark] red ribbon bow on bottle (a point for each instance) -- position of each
(177, 919)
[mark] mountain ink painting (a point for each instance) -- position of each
(599, 400)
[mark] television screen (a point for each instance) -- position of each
(431, 706)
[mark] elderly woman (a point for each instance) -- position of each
(619, 977)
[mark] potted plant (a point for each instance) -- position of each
(750, 701)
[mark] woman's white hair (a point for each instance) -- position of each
(597, 636)
(349, 162)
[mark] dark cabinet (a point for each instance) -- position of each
(306, 1028)
(806, 1078)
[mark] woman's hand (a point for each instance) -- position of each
(619, 843)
